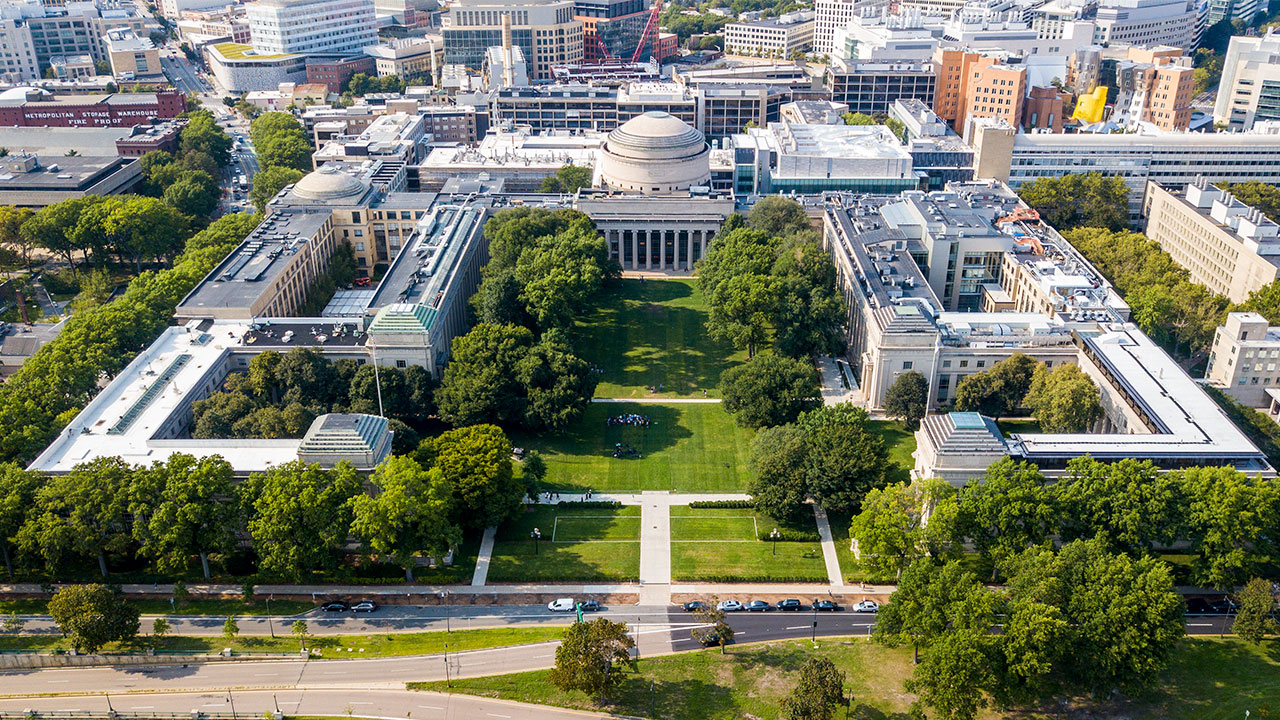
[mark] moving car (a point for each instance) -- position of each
(757, 606)
(789, 604)
(365, 606)
(826, 605)
(561, 605)
(694, 606)
(729, 606)
(867, 606)
(335, 606)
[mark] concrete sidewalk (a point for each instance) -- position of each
(636, 498)
(829, 557)
(481, 573)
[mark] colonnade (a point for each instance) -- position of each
(658, 249)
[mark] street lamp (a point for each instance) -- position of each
(774, 537)
(536, 535)
(447, 622)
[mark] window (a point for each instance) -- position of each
(400, 363)
(946, 363)
(982, 363)
(906, 365)
(964, 363)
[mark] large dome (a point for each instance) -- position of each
(655, 153)
(329, 183)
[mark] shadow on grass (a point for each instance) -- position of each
(595, 436)
(686, 699)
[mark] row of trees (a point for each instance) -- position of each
(1085, 200)
(280, 141)
(1228, 520)
(297, 518)
(517, 365)
(282, 394)
(52, 386)
(768, 277)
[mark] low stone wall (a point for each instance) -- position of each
(26, 661)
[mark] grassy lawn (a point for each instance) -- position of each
(900, 445)
(1208, 679)
(652, 333)
(192, 607)
(685, 448)
(345, 646)
(721, 544)
(584, 544)
(1026, 425)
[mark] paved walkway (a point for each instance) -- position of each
(638, 498)
(829, 556)
(655, 539)
(481, 573)
(833, 389)
(659, 400)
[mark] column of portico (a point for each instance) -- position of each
(635, 249)
(688, 258)
(702, 244)
(662, 249)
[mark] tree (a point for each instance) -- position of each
(556, 384)
(818, 691)
(1229, 521)
(1064, 400)
(160, 627)
(1255, 618)
(776, 216)
(476, 462)
(891, 530)
(407, 515)
(951, 679)
(1129, 506)
(908, 399)
(1080, 200)
(931, 602)
(195, 194)
(268, 183)
(299, 630)
(17, 496)
(769, 390)
(11, 237)
(191, 515)
(82, 513)
(592, 657)
(809, 313)
(230, 629)
(202, 134)
(858, 119)
(1010, 510)
(51, 227)
(288, 151)
(713, 626)
(299, 516)
(568, 180)
(1255, 194)
(778, 484)
(92, 616)
(13, 624)
(844, 459)
(999, 391)
(741, 307)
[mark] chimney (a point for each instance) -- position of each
(508, 77)
(435, 75)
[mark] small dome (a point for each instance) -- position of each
(656, 133)
(328, 183)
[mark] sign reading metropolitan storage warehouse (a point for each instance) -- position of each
(119, 110)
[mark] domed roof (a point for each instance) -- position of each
(328, 183)
(654, 131)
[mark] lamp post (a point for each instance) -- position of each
(774, 537)
(448, 623)
(536, 535)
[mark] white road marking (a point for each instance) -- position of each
(143, 707)
(800, 627)
(1188, 625)
(430, 707)
(57, 681)
(497, 715)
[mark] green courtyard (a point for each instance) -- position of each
(727, 545)
(583, 544)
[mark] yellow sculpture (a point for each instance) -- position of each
(1090, 107)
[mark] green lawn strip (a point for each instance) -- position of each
(1027, 425)
(746, 682)
(686, 448)
(650, 334)
(191, 607)
(1208, 679)
(603, 544)
(900, 444)
(719, 544)
(426, 643)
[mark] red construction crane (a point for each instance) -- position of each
(650, 27)
(604, 51)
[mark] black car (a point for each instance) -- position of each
(335, 606)
(789, 604)
(826, 606)
(1198, 606)
(1223, 606)
(694, 606)
(589, 605)
(757, 606)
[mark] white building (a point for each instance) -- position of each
(910, 36)
(1244, 361)
(829, 15)
(1250, 85)
(312, 27)
(1147, 22)
(173, 9)
(778, 37)
(17, 53)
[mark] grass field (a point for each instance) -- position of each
(693, 447)
(332, 646)
(721, 544)
(1208, 679)
(652, 333)
(900, 445)
(583, 544)
(1026, 425)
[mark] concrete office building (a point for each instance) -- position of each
(871, 86)
(517, 160)
(1147, 22)
(312, 27)
(780, 37)
(1249, 90)
(173, 9)
(18, 62)
(937, 153)
(73, 67)
(1243, 10)
(830, 15)
(547, 33)
(1156, 87)
(810, 159)
(132, 57)
(900, 36)
(241, 69)
(28, 181)
(1244, 360)
(618, 25)
(408, 58)
(1230, 248)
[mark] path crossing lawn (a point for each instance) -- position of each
(689, 447)
(720, 544)
(578, 544)
(652, 333)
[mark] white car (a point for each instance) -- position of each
(867, 606)
(561, 605)
(729, 606)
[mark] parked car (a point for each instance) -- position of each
(867, 606)
(335, 606)
(561, 605)
(789, 604)
(826, 605)
(365, 606)
(1223, 606)
(758, 606)
(729, 606)
(694, 606)
(590, 605)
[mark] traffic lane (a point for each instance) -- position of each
(314, 703)
(779, 625)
